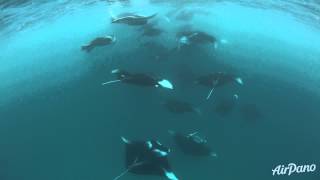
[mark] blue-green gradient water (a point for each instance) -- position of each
(57, 122)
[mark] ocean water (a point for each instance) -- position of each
(57, 122)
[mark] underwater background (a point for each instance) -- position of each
(57, 122)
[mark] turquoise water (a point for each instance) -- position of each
(58, 121)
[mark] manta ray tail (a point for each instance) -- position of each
(210, 93)
(122, 174)
(192, 134)
(111, 82)
(152, 16)
(135, 163)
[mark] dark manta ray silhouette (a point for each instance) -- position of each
(194, 37)
(192, 144)
(99, 41)
(147, 158)
(179, 107)
(214, 80)
(139, 79)
(133, 19)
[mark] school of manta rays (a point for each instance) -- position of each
(150, 157)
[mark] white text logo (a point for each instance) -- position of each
(293, 168)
